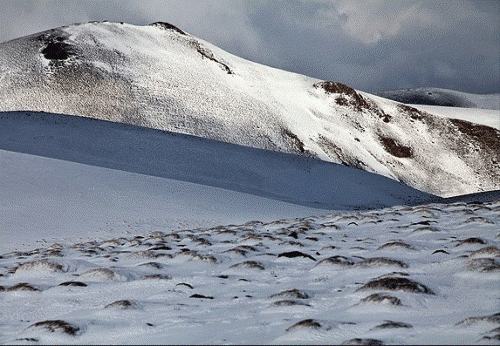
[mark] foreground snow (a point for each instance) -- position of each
(400, 275)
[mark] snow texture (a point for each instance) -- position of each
(157, 190)
(405, 275)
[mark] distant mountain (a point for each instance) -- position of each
(160, 77)
(443, 97)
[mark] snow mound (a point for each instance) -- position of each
(412, 297)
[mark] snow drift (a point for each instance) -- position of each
(160, 77)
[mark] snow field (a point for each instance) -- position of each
(401, 275)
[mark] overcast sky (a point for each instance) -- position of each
(369, 45)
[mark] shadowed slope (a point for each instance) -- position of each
(286, 177)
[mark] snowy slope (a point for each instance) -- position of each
(95, 176)
(443, 97)
(401, 275)
(487, 117)
(49, 200)
(160, 77)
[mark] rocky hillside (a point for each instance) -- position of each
(160, 77)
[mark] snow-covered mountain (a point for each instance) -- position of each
(443, 97)
(140, 203)
(160, 77)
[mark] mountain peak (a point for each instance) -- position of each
(158, 76)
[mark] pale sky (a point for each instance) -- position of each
(370, 45)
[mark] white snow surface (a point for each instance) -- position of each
(486, 117)
(98, 246)
(165, 79)
(401, 275)
(93, 178)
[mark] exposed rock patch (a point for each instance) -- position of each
(349, 96)
(341, 261)
(293, 254)
(291, 294)
(168, 26)
(55, 326)
(361, 341)
(471, 241)
(157, 277)
(287, 302)
(380, 261)
(396, 245)
(55, 47)
(249, 265)
(40, 265)
(200, 296)
(396, 284)
(381, 298)
(495, 318)
(121, 304)
(23, 286)
(488, 251)
(396, 149)
(73, 284)
(483, 265)
(392, 324)
(305, 324)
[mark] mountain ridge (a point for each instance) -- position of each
(160, 77)
(443, 97)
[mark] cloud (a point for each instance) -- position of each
(370, 45)
(380, 45)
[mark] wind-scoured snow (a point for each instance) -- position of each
(401, 275)
(161, 77)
